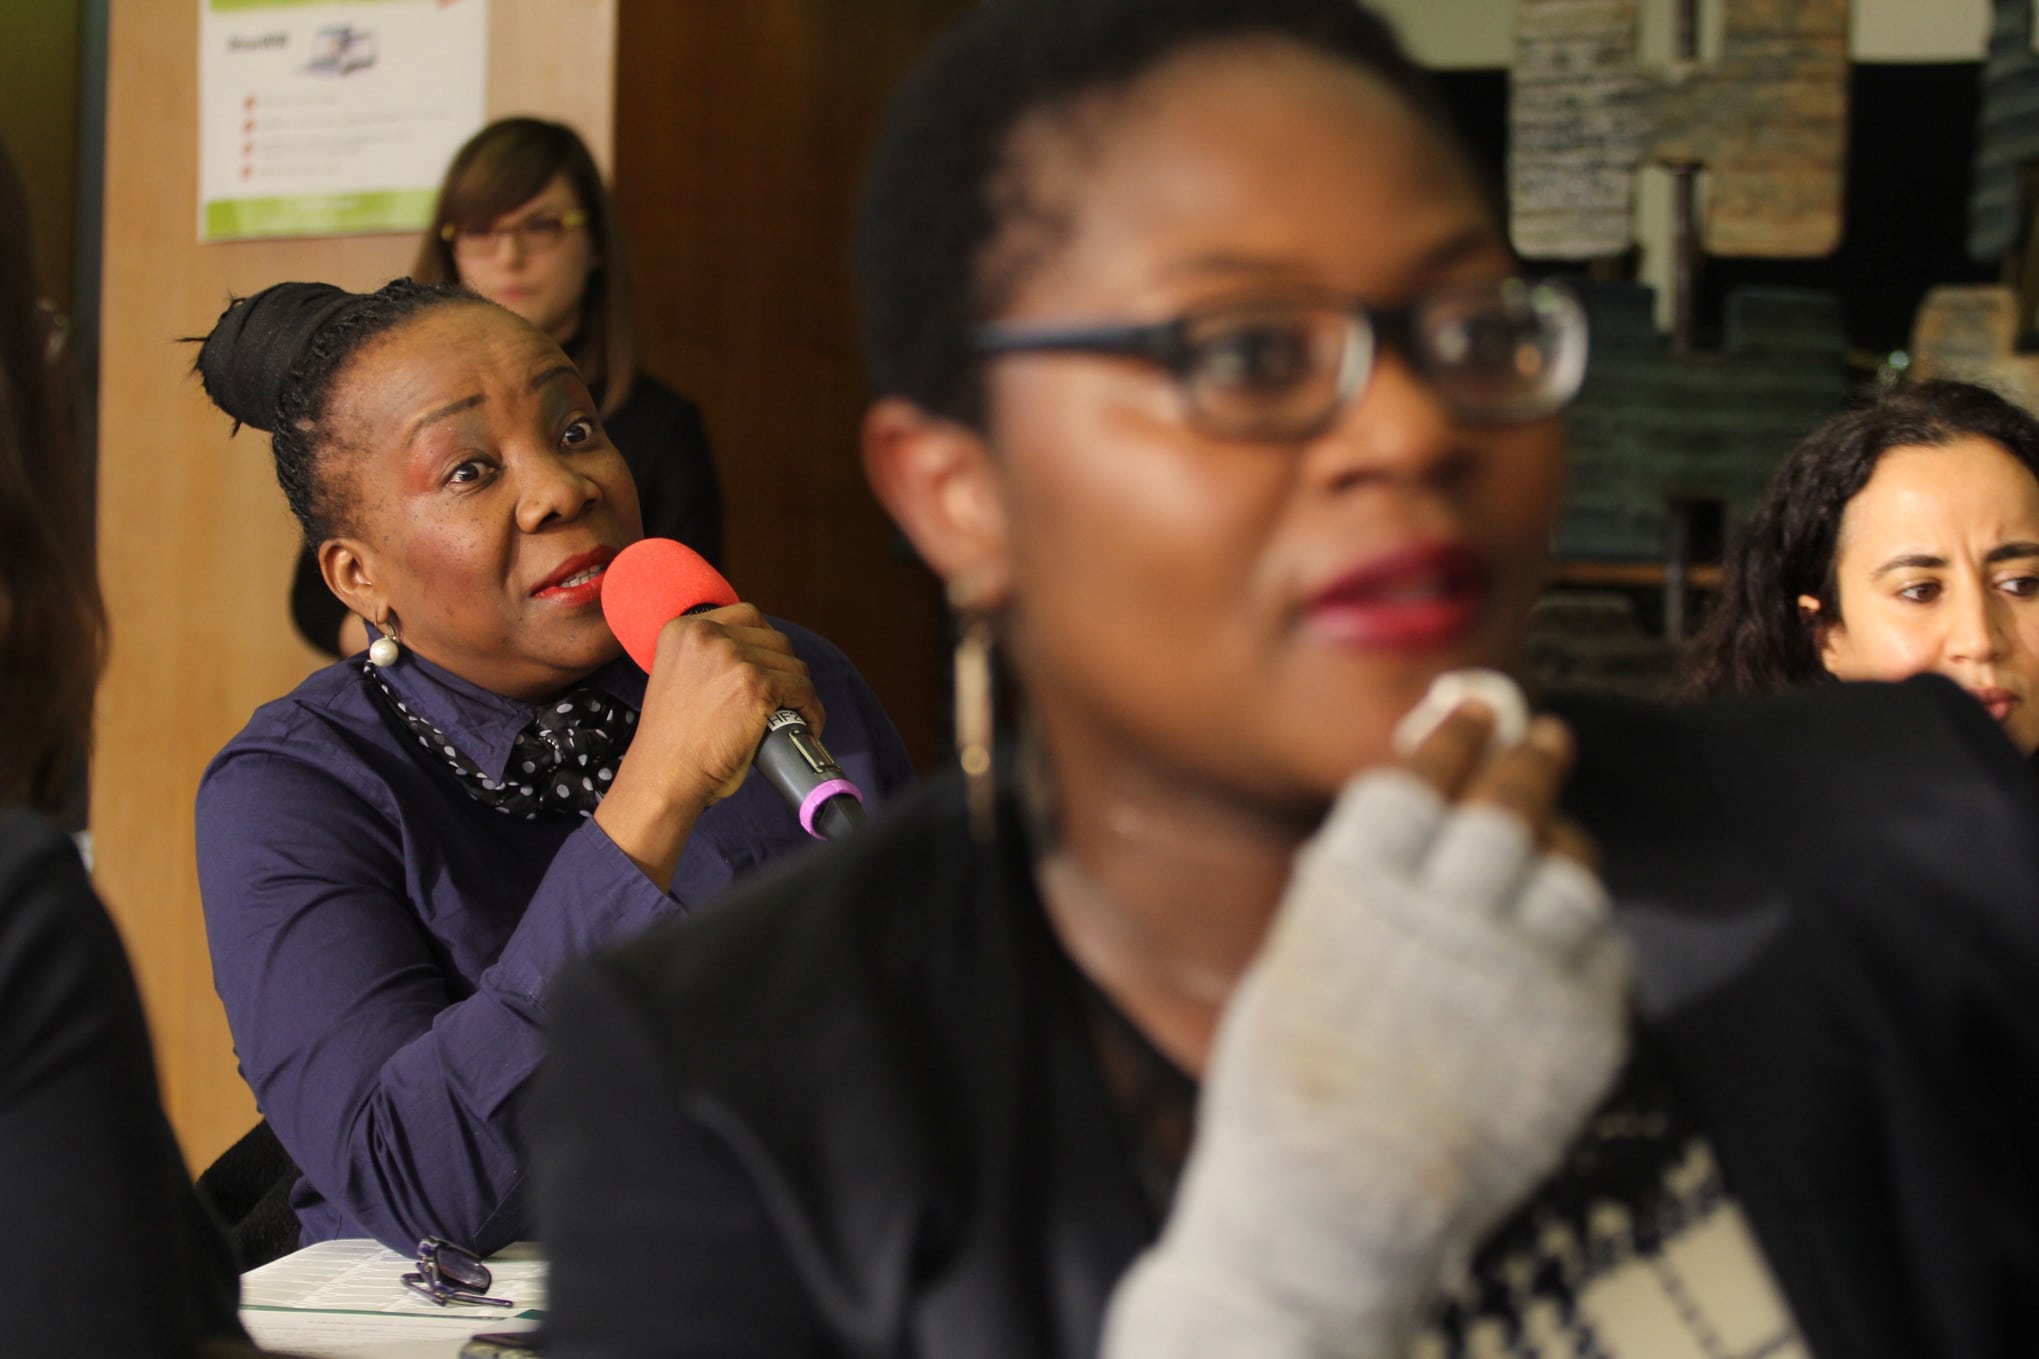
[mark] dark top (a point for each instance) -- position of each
(853, 1111)
(106, 1251)
(383, 942)
(663, 442)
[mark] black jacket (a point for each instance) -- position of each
(850, 1112)
(106, 1249)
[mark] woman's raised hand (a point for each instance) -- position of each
(717, 676)
(1439, 1005)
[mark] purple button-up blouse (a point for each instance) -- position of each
(383, 942)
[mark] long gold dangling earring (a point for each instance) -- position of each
(973, 715)
(384, 650)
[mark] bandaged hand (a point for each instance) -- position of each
(1439, 1005)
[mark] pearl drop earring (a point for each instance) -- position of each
(384, 650)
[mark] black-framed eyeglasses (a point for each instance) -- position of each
(1499, 352)
(535, 235)
(447, 1273)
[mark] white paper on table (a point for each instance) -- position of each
(356, 1335)
(365, 1276)
(346, 1300)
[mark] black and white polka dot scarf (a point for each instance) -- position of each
(562, 763)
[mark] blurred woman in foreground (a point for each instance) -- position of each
(1209, 385)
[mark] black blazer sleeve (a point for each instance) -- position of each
(668, 1255)
(845, 1112)
(1833, 902)
(107, 1250)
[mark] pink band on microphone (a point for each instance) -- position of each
(811, 804)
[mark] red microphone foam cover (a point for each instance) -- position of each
(652, 582)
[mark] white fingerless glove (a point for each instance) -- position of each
(1435, 1012)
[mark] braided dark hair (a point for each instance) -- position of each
(1755, 639)
(943, 201)
(271, 361)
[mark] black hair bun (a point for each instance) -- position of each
(247, 359)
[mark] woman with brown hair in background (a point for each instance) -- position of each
(1897, 539)
(107, 1251)
(524, 219)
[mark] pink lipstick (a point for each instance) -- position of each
(577, 580)
(1999, 702)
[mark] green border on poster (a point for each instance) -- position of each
(333, 214)
(228, 6)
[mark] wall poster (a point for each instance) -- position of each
(332, 117)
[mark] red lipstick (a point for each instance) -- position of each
(1415, 598)
(577, 580)
(2000, 702)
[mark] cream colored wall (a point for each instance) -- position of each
(1920, 30)
(1476, 33)
(1470, 34)
(196, 547)
(1454, 33)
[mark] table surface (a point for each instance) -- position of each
(346, 1300)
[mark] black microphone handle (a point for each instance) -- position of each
(793, 759)
(800, 767)
(839, 816)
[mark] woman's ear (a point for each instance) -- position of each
(940, 482)
(1822, 629)
(348, 574)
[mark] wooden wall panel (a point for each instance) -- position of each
(740, 138)
(195, 542)
(557, 59)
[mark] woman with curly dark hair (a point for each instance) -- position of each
(1897, 539)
